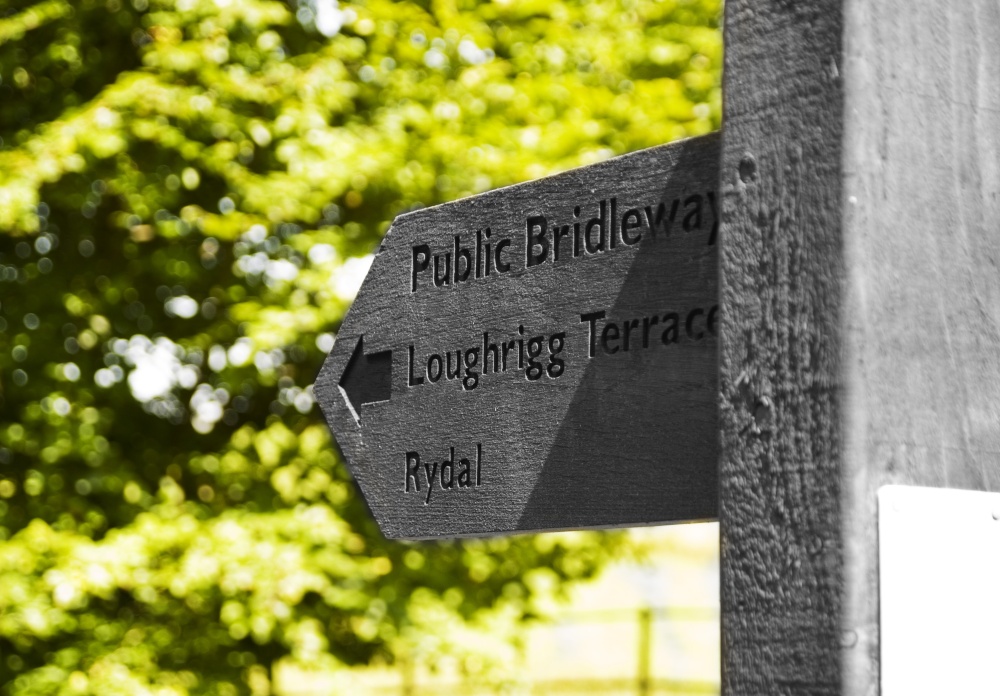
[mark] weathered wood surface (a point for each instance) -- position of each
(615, 423)
(860, 346)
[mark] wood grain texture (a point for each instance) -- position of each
(922, 300)
(623, 432)
(781, 292)
(861, 327)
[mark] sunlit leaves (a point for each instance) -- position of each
(190, 195)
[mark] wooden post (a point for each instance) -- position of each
(860, 286)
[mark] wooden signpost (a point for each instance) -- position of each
(540, 357)
(860, 295)
(857, 317)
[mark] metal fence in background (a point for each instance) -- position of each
(650, 672)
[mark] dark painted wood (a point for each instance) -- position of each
(608, 426)
(861, 324)
(782, 280)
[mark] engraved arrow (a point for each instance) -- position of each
(367, 378)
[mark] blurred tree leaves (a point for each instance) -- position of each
(189, 194)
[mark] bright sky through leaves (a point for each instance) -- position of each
(190, 194)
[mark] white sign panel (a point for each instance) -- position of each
(939, 589)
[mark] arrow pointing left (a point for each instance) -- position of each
(367, 378)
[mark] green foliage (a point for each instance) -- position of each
(189, 195)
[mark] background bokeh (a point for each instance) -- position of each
(190, 192)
